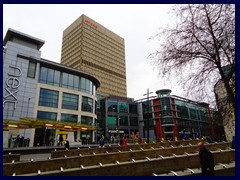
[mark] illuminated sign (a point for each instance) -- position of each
(90, 23)
(12, 84)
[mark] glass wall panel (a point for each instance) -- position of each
(123, 107)
(48, 98)
(112, 106)
(49, 76)
(69, 118)
(86, 120)
(43, 115)
(87, 104)
(133, 108)
(70, 81)
(133, 121)
(70, 101)
(123, 121)
(31, 69)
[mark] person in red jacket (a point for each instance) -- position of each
(139, 140)
(124, 141)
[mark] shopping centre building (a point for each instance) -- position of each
(43, 100)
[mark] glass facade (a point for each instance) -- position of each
(66, 80)
(123, 121)
(70, 81)
(86, 120)
(87, 104)
(49, 76)
(69, 118)
(47, 115)
(48, 98)
(123, 107)
(70, 101)
(112, 106)
(133, 121)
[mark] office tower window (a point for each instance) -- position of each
(87, 104)
(49, 76)
(69, 118)
(70, 101)
(48, 98)
(31, 69)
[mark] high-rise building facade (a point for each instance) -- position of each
(92, 48)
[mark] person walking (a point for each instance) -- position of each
(206, 160)
(124, 141)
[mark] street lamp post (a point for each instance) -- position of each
(147, 113)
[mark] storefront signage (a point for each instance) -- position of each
(12, 84)
(90, 23)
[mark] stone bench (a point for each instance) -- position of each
(11, 158)
(142, 167)
(90, 151)
(106, 158)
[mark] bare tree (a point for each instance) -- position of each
(198, 47)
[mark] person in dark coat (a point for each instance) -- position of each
(206, 160)
(67, 144)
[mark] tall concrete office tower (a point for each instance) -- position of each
(92, 48)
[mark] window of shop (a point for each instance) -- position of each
(48, 98)
(70, 101)
(87, 104)
(69, 118)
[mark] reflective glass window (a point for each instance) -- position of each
(31, 69)
(70, 101)
(48, 98)
(86, 120)
(43, 115)
(87, 104)
(69, 118)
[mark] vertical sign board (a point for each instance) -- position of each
(12, 84)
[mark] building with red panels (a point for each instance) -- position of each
(173, 118)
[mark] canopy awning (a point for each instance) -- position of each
(28, 123)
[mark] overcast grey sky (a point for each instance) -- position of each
(133, 22)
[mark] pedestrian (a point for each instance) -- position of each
(67, 144)
(60, 140)
(139, 140)
(124, 141)
(101, 142)
(21, 141)
(206, 160)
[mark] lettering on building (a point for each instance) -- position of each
(90, 23)
(12, 84)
